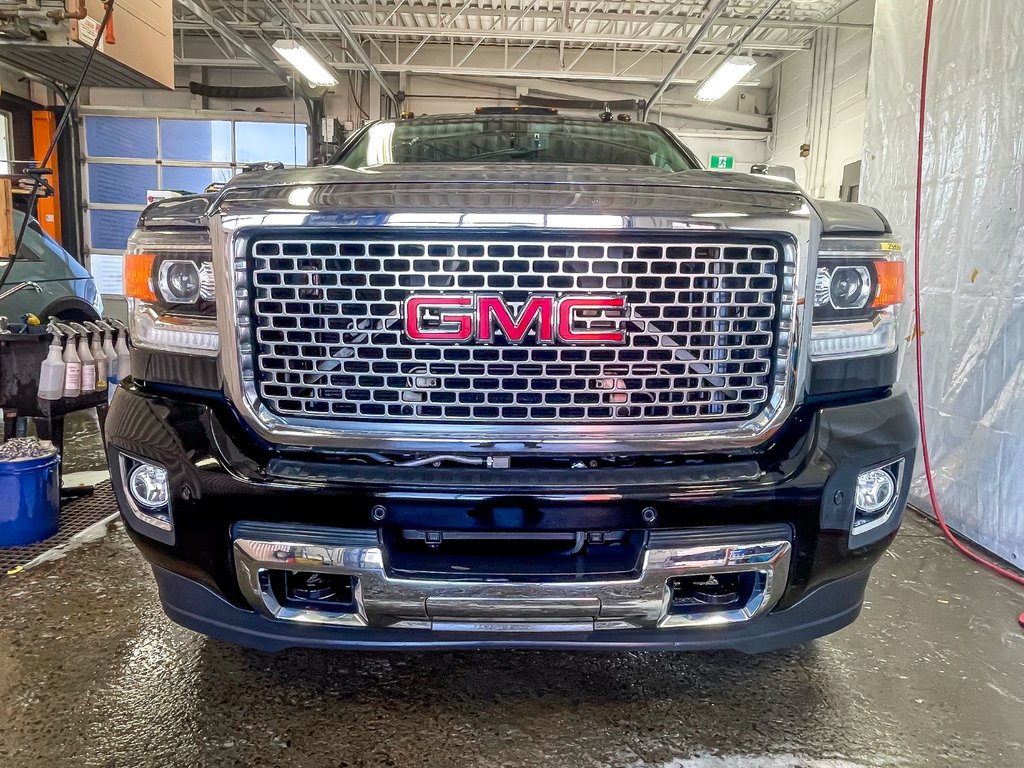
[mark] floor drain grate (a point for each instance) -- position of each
(75, 517)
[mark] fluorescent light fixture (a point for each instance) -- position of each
(723, 79)
(309, 65)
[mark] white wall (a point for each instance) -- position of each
(845, 143)
(792, 96)
(820, 98)
(972, 258)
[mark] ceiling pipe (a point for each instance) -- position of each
(691, 47)
(356, 50)
(78, 14)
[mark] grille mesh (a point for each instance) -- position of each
(330, 342)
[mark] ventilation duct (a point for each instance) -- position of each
(253, 92)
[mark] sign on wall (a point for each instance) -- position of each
(721, 162)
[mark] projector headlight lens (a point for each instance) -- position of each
(179, 281)
(850, 287)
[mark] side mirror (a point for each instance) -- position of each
(782, 171)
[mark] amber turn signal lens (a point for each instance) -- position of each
(891, 285)
(138, 276)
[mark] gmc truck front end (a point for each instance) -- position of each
(610, 411)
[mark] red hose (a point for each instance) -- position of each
(1005, 573)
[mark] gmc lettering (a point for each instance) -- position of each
(467, 318)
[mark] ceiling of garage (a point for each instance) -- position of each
(569, 39)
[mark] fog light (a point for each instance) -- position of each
(148, 486)
(147, 498)
(876, 495)
(876, 489)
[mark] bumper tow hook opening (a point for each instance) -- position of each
(310, 589)
(712, 592)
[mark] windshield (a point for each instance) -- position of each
(515, 139)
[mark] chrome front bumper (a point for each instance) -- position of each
(380, 600)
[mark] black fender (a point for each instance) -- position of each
(70, 308)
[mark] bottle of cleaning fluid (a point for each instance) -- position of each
(111, 355)
(51, 374)
(124, 359)
(96, 350)
(88, 365)
(72, 370)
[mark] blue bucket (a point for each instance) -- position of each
(29, 500)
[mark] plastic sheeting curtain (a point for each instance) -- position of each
(972, 243)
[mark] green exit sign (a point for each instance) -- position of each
(721, 163)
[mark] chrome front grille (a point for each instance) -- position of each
(700, 322)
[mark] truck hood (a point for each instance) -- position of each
(507, 197)
(500, 174)
(514, 196)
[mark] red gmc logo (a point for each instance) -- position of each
(570, 319)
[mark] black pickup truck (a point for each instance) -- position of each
(512, 380)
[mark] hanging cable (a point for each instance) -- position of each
(355, 99)
(928, 475)
(61, 125)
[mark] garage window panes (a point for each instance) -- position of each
(256, 139)
(198, 140)
(126, 157)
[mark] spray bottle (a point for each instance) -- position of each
(111, 355)
(51, 374)
(96, 350)
(72, 365)
(85, 355)
(124, 359)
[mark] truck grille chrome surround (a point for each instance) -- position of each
(704, 334)
(240, 223)
(382, 600)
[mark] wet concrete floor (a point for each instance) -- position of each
(92, 674)
(83, 450)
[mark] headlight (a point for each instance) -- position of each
(168, 280)
(858, 288)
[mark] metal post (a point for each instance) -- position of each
(691, 46)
